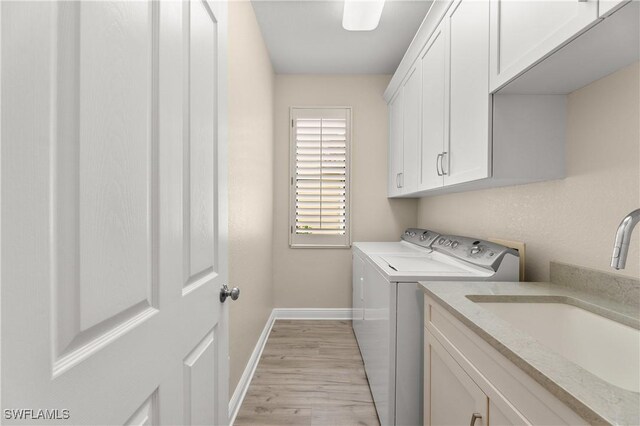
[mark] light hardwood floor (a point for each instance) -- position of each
(310, 373)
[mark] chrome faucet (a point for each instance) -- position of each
(623, 235)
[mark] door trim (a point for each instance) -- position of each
(247, 375)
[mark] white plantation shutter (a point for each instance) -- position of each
(320, 157)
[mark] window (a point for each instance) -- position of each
(320, 159)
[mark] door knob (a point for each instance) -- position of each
(225, 292)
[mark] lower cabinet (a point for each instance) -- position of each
(468, 382)
(452, 397)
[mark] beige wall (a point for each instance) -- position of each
(572, 220)
(321, 278)
(251, 94)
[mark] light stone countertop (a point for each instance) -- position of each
(592, 398)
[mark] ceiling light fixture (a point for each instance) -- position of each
(362, 15)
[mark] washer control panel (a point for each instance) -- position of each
(421, 237)
(480, 252)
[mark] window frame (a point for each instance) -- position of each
(319, 241)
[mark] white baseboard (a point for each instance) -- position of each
(249, 370)
(314, 313)
(278, 313)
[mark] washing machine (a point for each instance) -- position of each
(388, 316)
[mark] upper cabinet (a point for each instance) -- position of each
(456, 104)
(467, 155)
(435, 113)
(523, 32)
(411, 97)
(404, 132)
(396, 145)
(479, 98)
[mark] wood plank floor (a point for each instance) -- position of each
(310, 373)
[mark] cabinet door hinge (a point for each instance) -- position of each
(292, 122)
(292, 229)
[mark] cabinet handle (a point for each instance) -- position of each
(474, 417)
(397, 180)
(438, 164)
(401, 180)
(442, 163)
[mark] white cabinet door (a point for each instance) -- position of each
(396, 145)
(452, 397)
(524, 31)
(467, 155)
(114, 212)
(434, 111)
(605, 7)
(412, 95)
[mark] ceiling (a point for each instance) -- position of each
(306, 36)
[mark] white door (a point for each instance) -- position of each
(451, 397)
(396, 145)
(524, 31)
(412, 96)
(466, 155)
(434, 111)
(113, 212)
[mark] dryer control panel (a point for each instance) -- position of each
(420, 237)
(473, 250)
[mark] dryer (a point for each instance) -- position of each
(388, 307)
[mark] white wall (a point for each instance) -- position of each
(572, 220)
(321, 278)
(251, 94)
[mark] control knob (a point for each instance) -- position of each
(475, 249)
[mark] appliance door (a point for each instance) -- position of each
(377, 342)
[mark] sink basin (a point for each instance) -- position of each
(606, 348)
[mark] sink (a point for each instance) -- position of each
(606, 348)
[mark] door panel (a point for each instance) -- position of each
(113, 211)
(147, 414)
(525, 31)
(200, 154)
(396, 145)
(200, 383)
(102, 175)
(434, 111)
(115, 156)
(453, 396)
(412, 96)
(468, 150)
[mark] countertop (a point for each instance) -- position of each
(592, 398)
